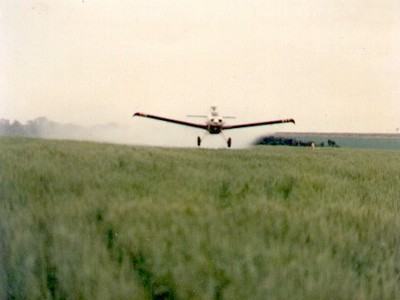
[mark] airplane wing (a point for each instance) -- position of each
(258, 124)
(184, 123)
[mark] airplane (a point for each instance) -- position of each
(214, 124)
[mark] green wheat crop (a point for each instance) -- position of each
(99, 221)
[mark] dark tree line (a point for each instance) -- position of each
(282, 141)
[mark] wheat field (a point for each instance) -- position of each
(83, 220)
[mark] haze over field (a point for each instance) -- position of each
(331, 65)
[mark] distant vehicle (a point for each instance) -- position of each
(214, 124)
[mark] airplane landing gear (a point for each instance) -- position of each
(229, 142)
(198, 141)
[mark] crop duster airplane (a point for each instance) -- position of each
(214, 123)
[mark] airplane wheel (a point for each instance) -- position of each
(198, 141)
(229, 142)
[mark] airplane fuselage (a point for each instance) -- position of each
(215, 122)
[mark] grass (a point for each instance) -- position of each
(98, 221)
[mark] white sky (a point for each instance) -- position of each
(331, 65)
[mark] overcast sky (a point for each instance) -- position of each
(332, 65)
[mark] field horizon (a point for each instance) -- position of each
(86, 220)
(389, 141)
